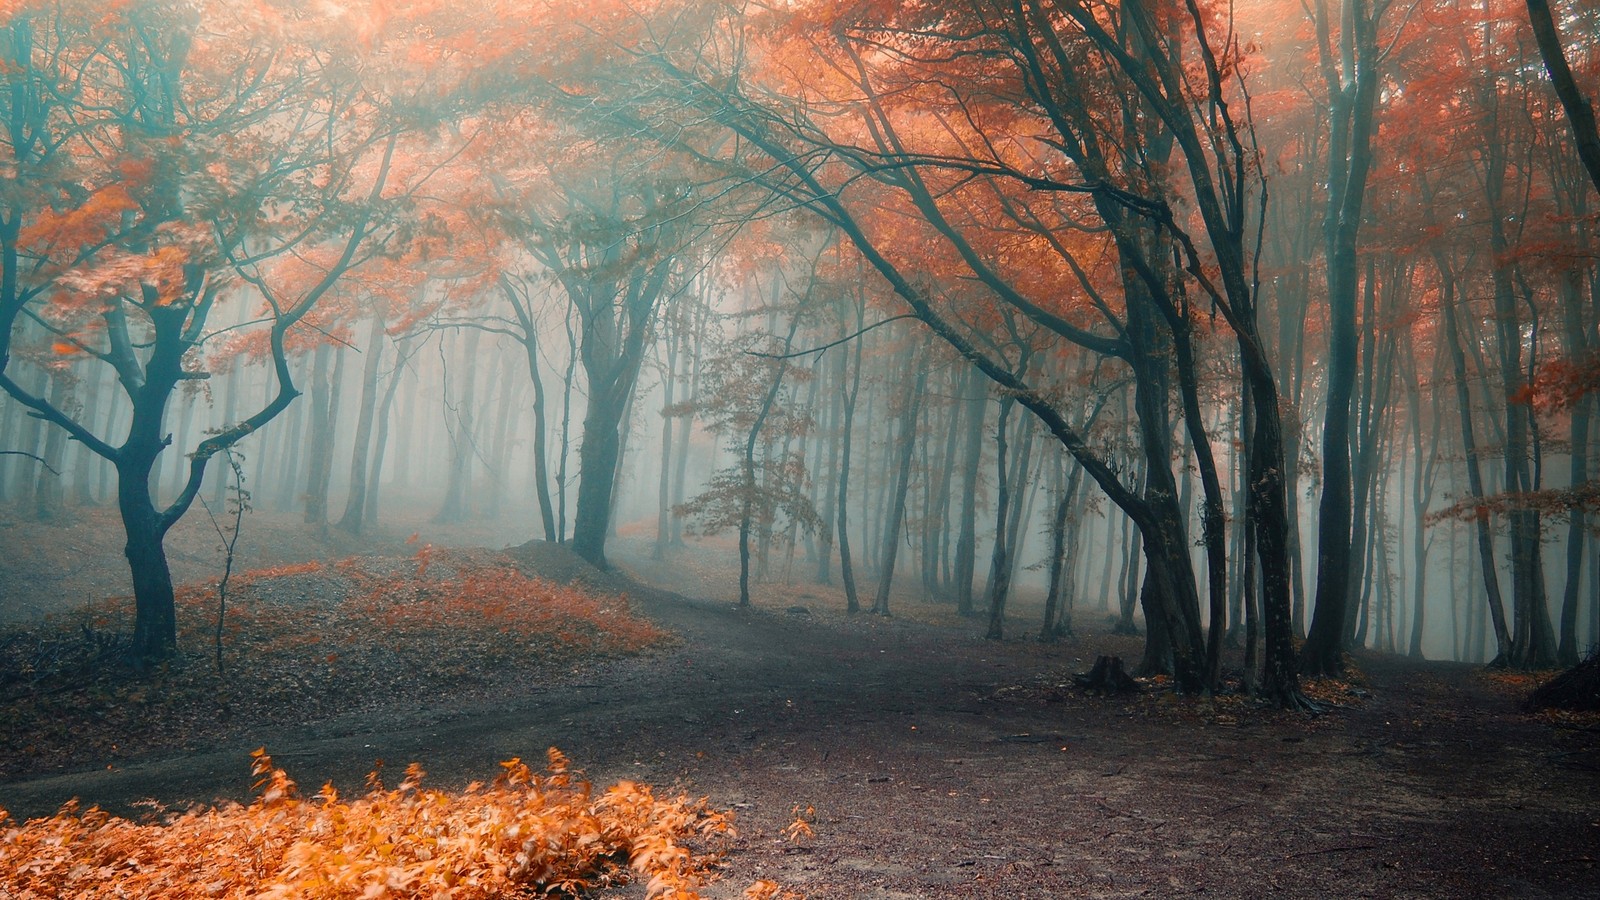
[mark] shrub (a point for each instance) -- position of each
(525, 834)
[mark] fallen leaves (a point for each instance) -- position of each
(301, 643)
(1334, 692)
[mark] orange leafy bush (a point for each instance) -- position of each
(525, 834)
(455, 617)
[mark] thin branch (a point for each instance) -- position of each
(831, 344)
(37, 459)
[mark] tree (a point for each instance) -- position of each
(744, 400)
(1579, 109)
(167, 157)
(615, 235)
(1351, 77)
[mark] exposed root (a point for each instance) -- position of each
(1292, 699)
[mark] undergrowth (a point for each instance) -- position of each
(523, 835)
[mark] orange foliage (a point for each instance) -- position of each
(1561, 384)
(769, 890)
(468, 609)
(499, 597)
(254, 575)
(1513, 681)
(801, 826)
(524, 833)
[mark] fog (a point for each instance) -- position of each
(452, 439)
(1279, 365)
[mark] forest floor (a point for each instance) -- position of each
(936, 764)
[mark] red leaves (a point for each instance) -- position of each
(423, 557)
(1560, 384)
(82, 225)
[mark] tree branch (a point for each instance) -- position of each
(831, 344)
(37, 459)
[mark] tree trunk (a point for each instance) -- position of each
(463, 436)
(624, 434)
(230, 406)
(1058, 596)
(846, 565)
(541, 449)
(1249, 558)
(1026, 491)
(509, 393)
(1578, 453)
(410, 429)
(155, 630)
(380, 442)
(937, 516)
(1351, 80)
(1427, 464)
(1213, 521)
(566, 428)
(598, 457)
(49, 494)
(355, 505)
(911, 405)
(680, 476)
(33, 434)
(1000, 558)
(747, 465)
(832, 434)
(1579, 109)
(1532, 640)
(1469, 445)
(977, 401)
(324, 419)
(669, 383)
(1128, 596)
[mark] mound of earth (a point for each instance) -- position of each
(1576, 689)
(308, 642)
(557, 563)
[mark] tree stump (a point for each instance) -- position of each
(1107, 677)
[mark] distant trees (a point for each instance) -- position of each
(1117, 225)
(920, 144)
(615, 234)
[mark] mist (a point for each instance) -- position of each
(1221, 352)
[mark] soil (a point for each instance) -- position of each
(938, 764)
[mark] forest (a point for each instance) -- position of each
(1213, 363)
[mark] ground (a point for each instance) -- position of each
(937, 764)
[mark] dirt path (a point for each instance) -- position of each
(944, 766)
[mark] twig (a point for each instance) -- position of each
(1343, 848)
(830, 344)
(37, 459)
(241, 502)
